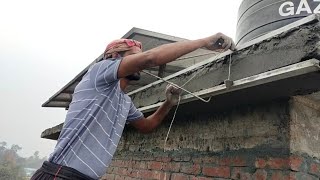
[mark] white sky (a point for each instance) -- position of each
(44, 44)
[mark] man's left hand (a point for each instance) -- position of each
(172, 94)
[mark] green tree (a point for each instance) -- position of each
(15, 148)
(35, 161)
(11, 164)
(36, 155)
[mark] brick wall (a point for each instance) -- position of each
(246, 165)
(265, 141)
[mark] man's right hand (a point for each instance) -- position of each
(220, 43)
(172, 94)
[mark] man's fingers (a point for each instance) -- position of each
(175, 90)
(172, 89)
(228, 44)
(225, 44)
(233, 46)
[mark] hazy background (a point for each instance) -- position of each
(44, 44)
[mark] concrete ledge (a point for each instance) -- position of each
(52, 133)
(291, 44)
(289, 76)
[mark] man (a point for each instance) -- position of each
(100, 109)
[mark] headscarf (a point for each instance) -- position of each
(121, 45)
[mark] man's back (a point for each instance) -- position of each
(95, 121)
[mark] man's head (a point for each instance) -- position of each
(121, 48)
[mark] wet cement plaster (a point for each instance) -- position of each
(289, 47)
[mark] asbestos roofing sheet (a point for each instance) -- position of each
(149, 40)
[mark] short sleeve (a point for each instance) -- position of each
(134, 114)
(104, 73)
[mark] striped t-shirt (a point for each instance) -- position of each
(95, 120)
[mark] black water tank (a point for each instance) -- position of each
(258, 17)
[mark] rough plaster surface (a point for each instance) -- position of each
(291, 126)
(305, 126)
(295, 45)
(244, 128)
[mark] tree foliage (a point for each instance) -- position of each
(12, 165)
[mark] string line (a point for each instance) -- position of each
(174, 116)
(181, 87)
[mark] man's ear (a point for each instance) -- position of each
(121, 54)
(115, 55)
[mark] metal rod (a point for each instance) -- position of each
(216, 57)
(175, 85)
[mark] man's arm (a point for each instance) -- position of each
(146, 125)
(169, 52)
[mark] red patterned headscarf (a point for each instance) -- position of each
(121, 45)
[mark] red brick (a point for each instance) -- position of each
(296, 162)
(134, 173)
(238, 161)
(150, 174)
(315, 169)
(110, 170)
(277, 175)
(236, 173)
(171, 166)
(145, 174)
(278, 163)
(139, 165)
(123, 171)
(225, 161)
(130, 178)
(291, 176)
(179, 176)
(126, 164)
(159, 175)
(232, 161)
(260, 163)
(154, 165)
(114, 170)
(221, 171)
(165, 176)
(240, 173)
(190, 168)
(117, 163)
(260, 174)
